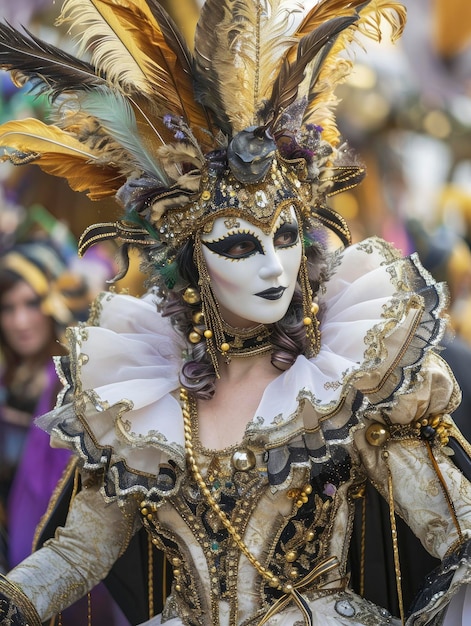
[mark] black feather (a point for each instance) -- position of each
(50, 70)
(319, 42)
(207, 87)
(173, 36)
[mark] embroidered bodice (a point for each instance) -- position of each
(297, 521)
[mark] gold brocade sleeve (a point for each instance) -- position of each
(414, 473)
(79, 556)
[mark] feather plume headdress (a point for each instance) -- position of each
(242, 124)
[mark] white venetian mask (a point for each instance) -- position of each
(253, 274)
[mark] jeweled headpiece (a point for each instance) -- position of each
(241, 125)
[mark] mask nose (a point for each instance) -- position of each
(272, 267)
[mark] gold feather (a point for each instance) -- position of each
(130, 49)
(99, 26)
(321, 94)
(91, 135)
(239, 47)
(59, 153)
(322, 12)
(372, 14)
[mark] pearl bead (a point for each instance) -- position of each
(225, 347)
(208, 333)
(315, 308)
(194, 337)
(307, 321)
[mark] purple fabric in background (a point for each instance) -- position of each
(37, 475)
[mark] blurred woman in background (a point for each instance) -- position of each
(36, 304)
(39, 298)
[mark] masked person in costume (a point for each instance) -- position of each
(236, 411)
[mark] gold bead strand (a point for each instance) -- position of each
(263, 571)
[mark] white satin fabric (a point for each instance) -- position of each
(459, 610)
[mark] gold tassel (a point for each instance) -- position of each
(214, 333)
(445, 490)
(150, 574)
(310, 310)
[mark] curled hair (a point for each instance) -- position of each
(197, 374)
(288, 336)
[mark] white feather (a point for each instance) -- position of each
(117, 118)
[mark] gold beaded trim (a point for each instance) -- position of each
(263, 571)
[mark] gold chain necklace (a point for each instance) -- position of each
(273, 580)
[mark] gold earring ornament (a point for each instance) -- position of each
(310, 310)
(214, 333)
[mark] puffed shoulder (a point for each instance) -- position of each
(124, 416)
(380, 315)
